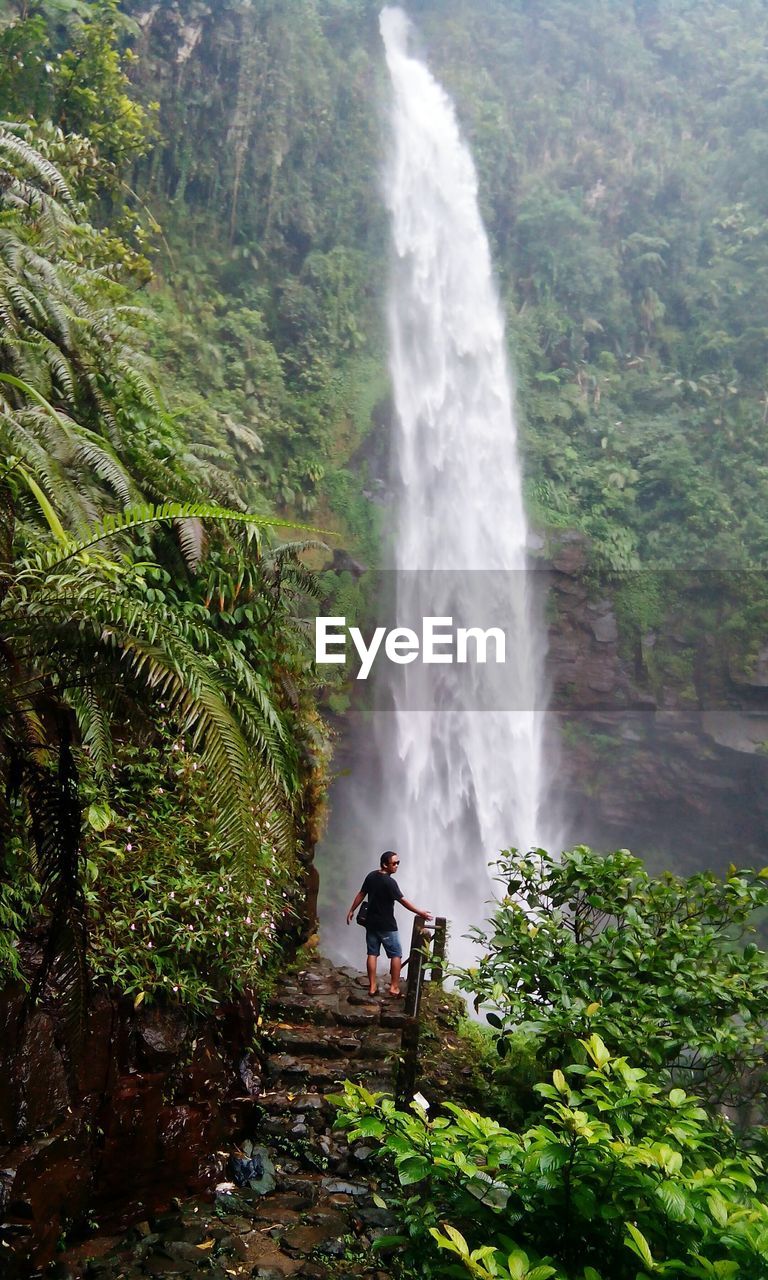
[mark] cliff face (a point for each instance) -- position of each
(114, 1127)
(663, 755)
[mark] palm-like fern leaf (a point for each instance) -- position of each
(11, 145)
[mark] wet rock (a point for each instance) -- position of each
(336, 1186)
(250, 1075)
(394, 1017)
(321, 1009)
(178, 1250)
(366, 1015)
(40, 1077)
(317, 984)
(161, 1036)
(569, 553)
(340, 1201)
(361, 998)
(307, 1237)
(146, 1136)
(159, 1265)
(605, 629)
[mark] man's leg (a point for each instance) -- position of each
(395, 965)
(371, 970)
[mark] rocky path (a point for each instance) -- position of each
(296, 1199)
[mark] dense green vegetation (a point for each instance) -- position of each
(621, 171)
(148, 632)
(623, 1011)
(620, 159)
(192, 252)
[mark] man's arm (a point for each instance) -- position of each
(417, 911)
(355, 905)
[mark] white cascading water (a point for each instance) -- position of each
(460, 779)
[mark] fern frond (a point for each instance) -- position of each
(43, 170)
(121, 522)
(191, 534)
(93, 724)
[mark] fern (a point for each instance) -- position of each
(45, 172)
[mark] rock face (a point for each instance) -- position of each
(296, 1199)
(663, 757)
(119, 1126)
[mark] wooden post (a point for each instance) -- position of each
(417, 964)
(438, 950)
(415, 969)
(409, 1040)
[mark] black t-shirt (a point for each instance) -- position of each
(383, 892)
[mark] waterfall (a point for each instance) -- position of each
(459, 770)
(465, 780)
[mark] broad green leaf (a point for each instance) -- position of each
(412, 1169)
(99, 815)
(517, 1264)
(639, 1245)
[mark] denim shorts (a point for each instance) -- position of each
(374, 939)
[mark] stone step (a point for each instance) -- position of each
(320, 1010)
(323, 1042)
(284, 1069)
(278, 1101)
(354, 1015)
(303, 1038)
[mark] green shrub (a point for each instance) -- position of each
(665, 968)
(170, 916)
(617, 1178)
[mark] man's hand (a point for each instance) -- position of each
(425, 915)
(350, 914)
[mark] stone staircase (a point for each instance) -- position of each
(319, 1221)
(323, 1028)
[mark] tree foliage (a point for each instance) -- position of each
(616, 1177)
(667, 968)
(640, 1008)
(106, 614)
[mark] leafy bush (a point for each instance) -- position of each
(170, 914)
(666, 968)
(619, 1177)
(19, 901)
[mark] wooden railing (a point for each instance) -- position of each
(427, 951)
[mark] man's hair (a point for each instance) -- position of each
(385, 857)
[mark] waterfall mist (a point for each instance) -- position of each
(452, 776)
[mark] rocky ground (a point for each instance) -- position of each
(294, 1199)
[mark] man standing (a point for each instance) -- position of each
(383, 892)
